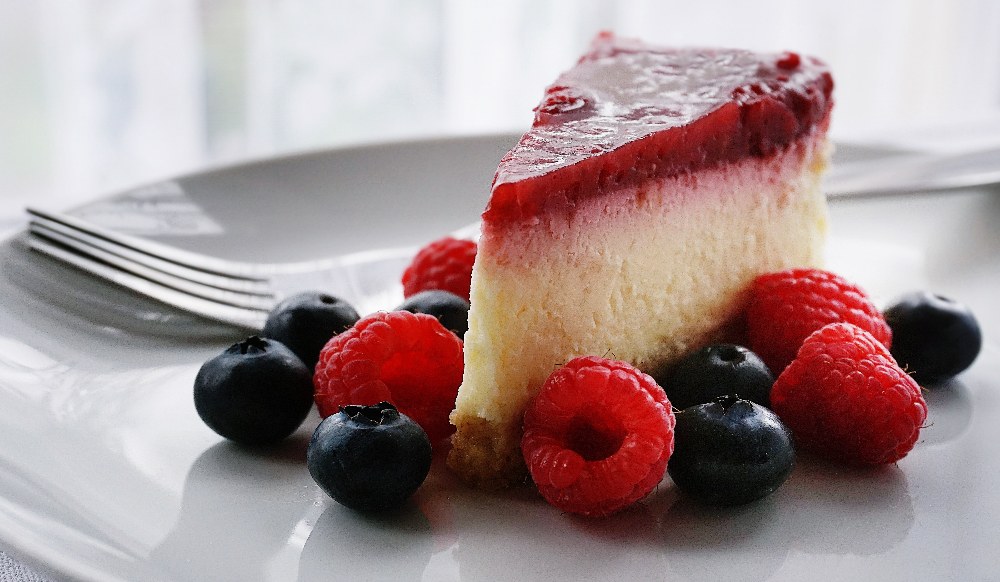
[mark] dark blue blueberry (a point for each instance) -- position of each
(933, 338)
(255, 392)
(450, 309)
(730, 451)
(716, 371)
(306, 321)
(369, 458)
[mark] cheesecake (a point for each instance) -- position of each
(654, 184)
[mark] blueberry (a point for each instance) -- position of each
(255, 392)
(933, 337)
(715, 371)
(306, 321)
(450, 309)
(369, 458)
(730, 451)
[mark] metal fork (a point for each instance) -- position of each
(237, 293)
(242, 294)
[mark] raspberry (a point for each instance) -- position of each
(408, 359)
(845, 398)
(445, 265)
(785, 307)
(597, 436)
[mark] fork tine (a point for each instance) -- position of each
(250, 319)
(178, 284)
(50, 229)
(241, 294)
(168, 253)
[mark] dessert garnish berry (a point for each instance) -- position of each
(369, 458)
(786, 306)
(718, 370)
(846, 399)
(408, 359)
(934, 337)
(255, 392)
(597, 436)
(444, 264)
(306, 321)
(789, 61)
(563, 101)
(730, 451)
(450, 309)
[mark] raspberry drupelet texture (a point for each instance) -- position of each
(408, 359)
(597, 436)
(445, 265)
(786, 306)
(846, 399)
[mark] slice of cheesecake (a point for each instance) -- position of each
(653, 186)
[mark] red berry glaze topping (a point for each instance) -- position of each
(597, 436)
(789, 61)
(408, 359)
(667, 122)
(445, 265)
(785, 307)
(561, 101)
(846, 399)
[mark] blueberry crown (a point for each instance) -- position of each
(726, 401)
(252, 344)
(374, 414)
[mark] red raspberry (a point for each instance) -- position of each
(408, 359)
(445, 264)
(597, 436)
(785, 307)
(845, 398)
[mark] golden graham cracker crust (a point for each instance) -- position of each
(486, 455)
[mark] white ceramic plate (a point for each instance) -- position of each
(107, 473)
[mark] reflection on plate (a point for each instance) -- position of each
(107, 473)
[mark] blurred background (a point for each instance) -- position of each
(100, 95)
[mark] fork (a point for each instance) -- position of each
(242, 294)
(236, 293)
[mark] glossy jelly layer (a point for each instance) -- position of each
(629, 111)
